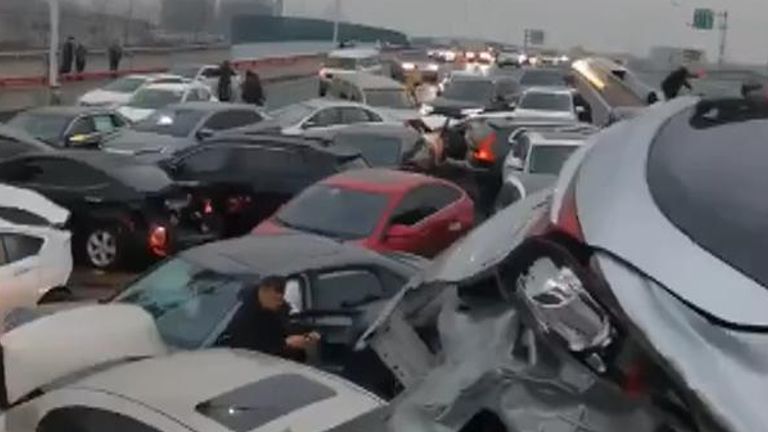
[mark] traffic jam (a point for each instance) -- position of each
(446, 238)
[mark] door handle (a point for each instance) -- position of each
(455, 226)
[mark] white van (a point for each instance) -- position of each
(348, 60)
(377, 91)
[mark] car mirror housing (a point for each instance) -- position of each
(84, 140)
(204, 133)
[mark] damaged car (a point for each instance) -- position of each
(628, 299)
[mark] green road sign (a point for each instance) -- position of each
(704, 19)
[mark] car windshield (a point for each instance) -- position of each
(341, 63)
(125, 85)
(291, 115)
(177, 122)
(46, 127)
(546, 101)
(151, 98)
(333, 211)
(187, 300)
(377, 150)
(549, 159)
(469, 90)
(396, 98)
(542, 78)
(188, 72)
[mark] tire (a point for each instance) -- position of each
(56, 295)
(102, 248)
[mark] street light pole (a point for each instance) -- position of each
(336, 19)
(723, 36)
(53, 47)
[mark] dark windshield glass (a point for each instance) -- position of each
(388, 99)
(155, 98)
(546, 101)
(707, 174)
(45, 127)
(341, 63)
(186, 300)
(378, 151)
(291, 115)
(124, 85)
(548, 159)
(335, 212)
(542, 78)
(176, 122)
(469, 90)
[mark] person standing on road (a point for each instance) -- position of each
(67, 55)
(115, 54)
(675, 81)
(262, 324)
(253, 92)
(80, 57)
(225, 81)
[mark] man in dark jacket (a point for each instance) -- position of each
(115, 55)
(225, 81)
(253, 93)
(675, 81)
(262, 324)
(67, 55)
(80, 57)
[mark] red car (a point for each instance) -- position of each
(383, 210)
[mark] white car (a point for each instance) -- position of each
(551, 103)
(322, 114)
(35, 251)
(105, 368)
(120, 91)
(152, 97)
(348, 60)
(207, 74)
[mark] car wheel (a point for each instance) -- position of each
(56, 295)
(102, 248)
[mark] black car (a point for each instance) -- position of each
(545, 77)
(333, 288)
(182, 125)
(471, 94)
(15, 142)
(382, 145)
(239, 180)
(70, 126)
(122, 211)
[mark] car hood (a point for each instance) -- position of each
(33, 202)
(133, 142)
(135, 114)
(104, 97)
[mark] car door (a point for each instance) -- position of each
(450, 220)
(323, 119)
(19, 265)
(333, 301)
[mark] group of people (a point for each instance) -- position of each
(74, 52)
(251, 92)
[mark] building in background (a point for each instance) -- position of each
(211, 17)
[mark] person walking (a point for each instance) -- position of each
(115, 54)
(262, 324)
(225, 81)
(253, 92)
(80, 57)
(67, 55)
(675, 81)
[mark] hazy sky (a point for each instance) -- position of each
(615, 25)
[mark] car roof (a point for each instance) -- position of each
(211, 106)
(319, 103)
(172, 86)
(356, 53)
(370, 81)
(207, 375)
(286, 254)
(265, 139)
(381, 180)
(70, 111)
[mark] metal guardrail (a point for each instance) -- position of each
(127, 51)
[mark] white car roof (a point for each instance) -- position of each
(33, 202)
(328, 102)
(173, 86)
(549, 90)
(354, 53)
(176, 385)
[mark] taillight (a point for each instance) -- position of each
(207, 206)
(484, 151)
(158, 240)
(568, 216)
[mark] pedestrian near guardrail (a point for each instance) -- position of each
(115, 54)
(81, 53)
(67, 55)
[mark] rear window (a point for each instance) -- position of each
(542, 78)
(706, 172)
(396, 98)
(378, 151)
(546, 101)
(253, 405)
(155, 98)
(549, 159)
(177, 122)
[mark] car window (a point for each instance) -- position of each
(87, 419)
(194, 95)
(206, 161)
(546, 101)
(82, 126)
(104, 123)
(325, 117)
(118, 121)
(440, 195)
(351, 115)
(543, 78)
(479, 91)
(59, 173)
(377, 150)
(343, 289)
(549, 159)
(154, 98)
(22, 217)
(177, 122)
(520, 146)
(43, 126)
(210, 72)
(396, 98)
(507, 87)
(19, 246)
(231, 119)
(414, 208)
(255, 404)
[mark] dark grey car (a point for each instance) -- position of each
(182, 125)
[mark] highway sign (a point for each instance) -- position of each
(534, 36)
(704, 19)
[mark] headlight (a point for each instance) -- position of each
(409, 66)
(433, 67)
(564, 59)
(426, 110)
(522, 58)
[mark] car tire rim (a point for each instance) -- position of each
(101, 248)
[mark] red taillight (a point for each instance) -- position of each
(158, 240)
(568, 216)
(484, 151)
(207, 206)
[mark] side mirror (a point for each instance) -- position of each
(515, 163)
(399, 231)
(84, 140)
(309, 124)
(204, 133)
